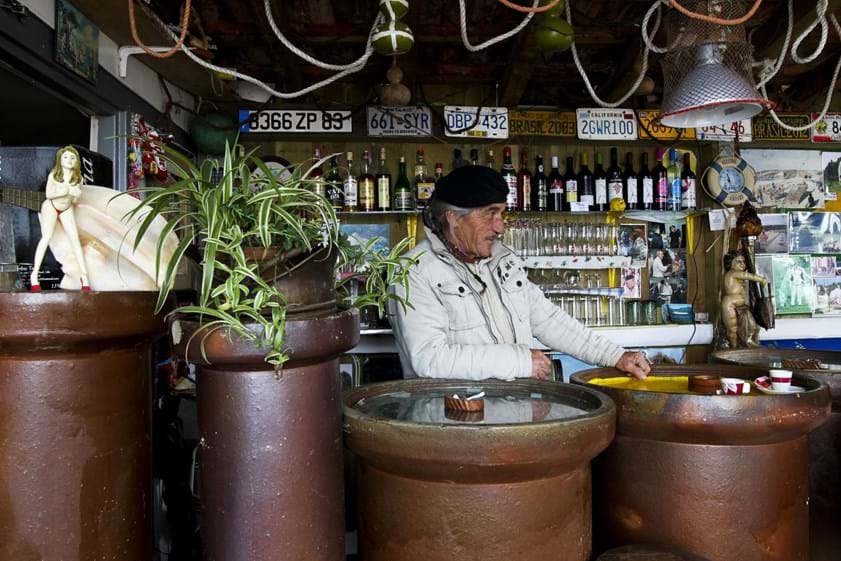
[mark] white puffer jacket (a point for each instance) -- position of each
(446, 333)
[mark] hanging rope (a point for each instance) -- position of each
(185, 24)
(462, 10)
(821, 8)
(712, 19)
(527, 10)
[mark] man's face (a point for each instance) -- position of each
(631, 283)
(476, 232)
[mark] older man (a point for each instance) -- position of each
(473, 310)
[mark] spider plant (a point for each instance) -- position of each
(223, 210)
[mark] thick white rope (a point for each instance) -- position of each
(462, 10)
(312, 60)
(821, 8)
(771, 68)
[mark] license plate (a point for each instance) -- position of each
(827, 129)
(650, 124)
(491, 122)
(606, 124)
(727, 132)
(295, 121)
(542, 123)
(399, 121)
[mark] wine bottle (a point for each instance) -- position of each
(645, 181)
(661, 183)
(490, 162)
(335, 191)
(439, 172)
(687, 180)
(600, 181)
(510, 178)
(351, 186)
(587, 192)
(474, 157)
(367, 191)
(524, 186)
(317, 183)
(630, 184)
(673, 174)
(615, 184)
(570, 184)
(556, 187)
(458, 161)
(539, 190)
(404, 197)
(424, 185)
(383, 184)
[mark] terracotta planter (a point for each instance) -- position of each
(271, 443)
(824, 443)
(74, 429)
(722, 477)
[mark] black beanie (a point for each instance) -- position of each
(471, 187)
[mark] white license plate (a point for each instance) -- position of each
(295, 121)
(490, 122)
(827, 129)
(727, 132)
(606, 124)
(399, 121)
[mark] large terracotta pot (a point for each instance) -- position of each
(75, 468)
(723, 477)
(824, 442)
(271, 464)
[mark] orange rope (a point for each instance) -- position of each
(526, 10)
(712, 19)
(185, 23)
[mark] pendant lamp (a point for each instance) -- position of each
(707, 71)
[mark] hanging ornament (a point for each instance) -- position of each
(393, 38)
(552, 34)
(394, 9)
(395, 94)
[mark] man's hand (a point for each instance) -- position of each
(633, 363)
(541, 366)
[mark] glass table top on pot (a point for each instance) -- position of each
(514, 405)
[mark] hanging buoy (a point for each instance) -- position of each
(393, 38)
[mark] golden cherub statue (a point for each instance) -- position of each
(735, 312)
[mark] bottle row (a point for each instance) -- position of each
(665, 186)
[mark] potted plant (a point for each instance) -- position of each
(265, 333)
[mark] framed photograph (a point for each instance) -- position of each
(827, 296)
(831, 162)
(765, 266)
(633, 242)
(793, 289)
(631, 283)
(360, 234)
(774, 236)
(76, 41)
(814, 232)
(677, 276)
(824, 267)
(787, 178)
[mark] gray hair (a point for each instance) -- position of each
(435, 215)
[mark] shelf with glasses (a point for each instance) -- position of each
(377, 212)
(576, 262)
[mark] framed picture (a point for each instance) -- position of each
(76, 41)
(360, 234)
(765, 266)
(831, 162)
(631, 283)
(814, 232)
(774, 236)
(787, 178)
(633, 242)
(793, 289)
(824, 267)
(827, 296)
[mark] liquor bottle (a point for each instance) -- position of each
(630, 183)
(586, 189)
(661, 183)
(490, 162)
(510, 178)
(673, 174)
(539, 186)
(645, 182)
(383, 184)
(404, 197)
(600, 181)
(439, 172)
(474, 157)
(335, 191)
(351, 186)
(687, 180)
(458, 161)
(555, 184)
(615, 185)
(424, 184)
(524, 186)
(318, 184)
(367, 189)
(570, 184)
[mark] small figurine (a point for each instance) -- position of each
(735, 312)
(64, 187)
